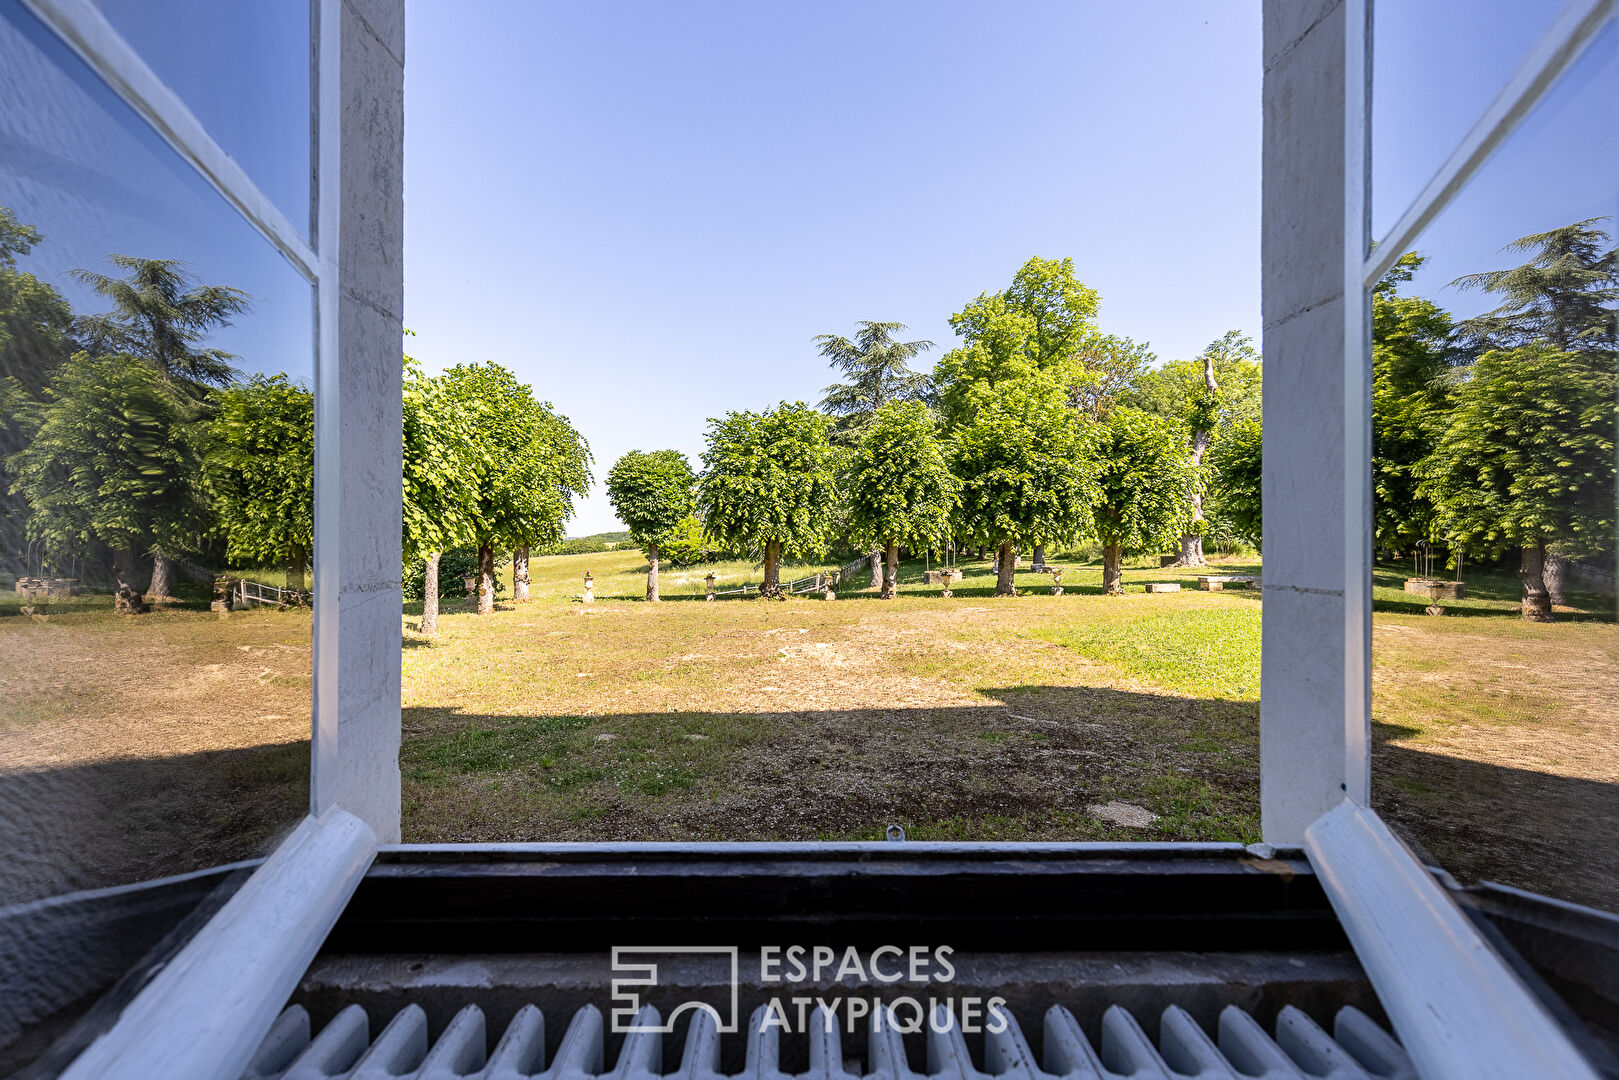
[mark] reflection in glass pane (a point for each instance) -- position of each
(1436, 65)
(1496, 655)
(155, 440)
(244, 70)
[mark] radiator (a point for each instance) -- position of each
(1357, 1049)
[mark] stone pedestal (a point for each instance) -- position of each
(1163, 586)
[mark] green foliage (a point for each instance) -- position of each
(444, 462)
(1564, 296)
(900, 487)
(652, 494)
(769, 478)
(532, 464)
(1027, 467)
(583, 545)
(1102, 368)
(1411, 359)
(690, 545)
(1527, 455)
(876, 370)
(258, 468)
(160, 316)
(1234, 507)
(453, 567)
(35, 322)
(1177, 388)
(1144, 476)
(109, 462)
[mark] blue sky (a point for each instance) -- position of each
(648, 210)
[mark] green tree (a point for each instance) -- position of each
(1144, 477)
(444, 462)
(1527, 460)
(876, 371)
(35, 338)
(258, 471)
(532, 465)
(1236, 481)
(161, 316)
(1104, 367)
(108, 463)
(1221, 387)
(1045, 321)
(1027, 470)
(1564, 296)
(901, 489)
(652, 495)
(1411, 364)
(769, 485)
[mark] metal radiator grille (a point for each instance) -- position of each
(1358, 1049)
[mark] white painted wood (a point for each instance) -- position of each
(1356, 523)
(323, 765)
(204, 1014)
(87, 32)
(1558, 48)
(1458, 1009)
(1309, 750)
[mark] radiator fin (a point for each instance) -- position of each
(1357, 1049)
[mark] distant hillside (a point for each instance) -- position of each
(606, 537)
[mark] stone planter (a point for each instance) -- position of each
(1436, 589)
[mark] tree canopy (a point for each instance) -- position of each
(876, 371)
(1564, 296)
(1144, 472)
(900, 487)
(160, 315)
(444, 462)
(258, 470)
(652, 494)
(769, 483)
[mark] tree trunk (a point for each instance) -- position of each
(772, 584)
(430, 594)
(486, 579)
(1039, 555)
(1113, 570)
(295, 572)
(652, 573)
(520, 574)
(891, 571)
(876, 569)
(1537, 604)
(125, 567)
(1192, 543)
(1003, 570)
(162, 576)
(1553, 572)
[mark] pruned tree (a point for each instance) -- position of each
(533, 464)
(109, 462)
(1027, 471)
(1527, 460)
(652, 495)
(258, 470)
(1412, 360)
(35, 338)
(768, 485)
(1145, 476)
(444, 462)
(1235, 480)
(901, 489)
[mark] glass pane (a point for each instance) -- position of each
(1436, 64)
(1496, 657)
(155, 447)
(245, 71)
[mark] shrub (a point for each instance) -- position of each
(453, 567)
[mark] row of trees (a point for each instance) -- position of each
(1037, 429)
(129, 442)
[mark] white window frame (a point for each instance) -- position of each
(239, 969)
(1459, 1010)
